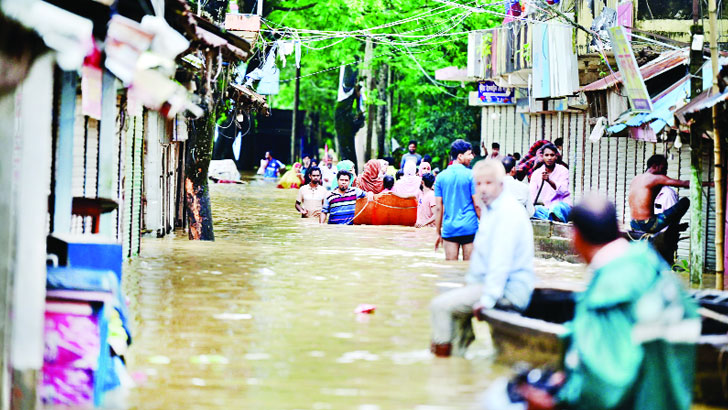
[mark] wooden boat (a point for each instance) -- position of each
(386, 209)
(536, 335)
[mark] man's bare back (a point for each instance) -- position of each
(643, 190)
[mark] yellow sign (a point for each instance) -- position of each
(632, 80)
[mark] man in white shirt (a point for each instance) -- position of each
(516, 188)
(501, 266)
(495, 152)
(328, 172)
(311, 196)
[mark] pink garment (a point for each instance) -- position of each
(424, 207)
(409, 184)
(548, 195)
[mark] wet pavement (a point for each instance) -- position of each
(263, 318)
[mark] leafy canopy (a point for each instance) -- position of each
(434, 114)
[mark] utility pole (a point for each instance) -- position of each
(717, 152)
(388, 123)
(294, 125)
(260, 8)
(370, 108)
(696, 152)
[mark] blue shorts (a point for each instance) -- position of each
(659, 222)
(461, 240)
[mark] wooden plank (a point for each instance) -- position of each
(92, 157)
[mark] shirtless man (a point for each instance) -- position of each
(642, 192)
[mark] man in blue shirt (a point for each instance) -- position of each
(273, 168)
(457, 217)
(412, 155)
(501, 271)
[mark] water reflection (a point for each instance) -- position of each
(264, 318)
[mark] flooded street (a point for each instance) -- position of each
(263, 318)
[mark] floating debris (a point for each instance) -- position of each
(257, 356)
(365, 308)
(351, 357)
(159, 359)
(266, 272)
(233, 316)
(209, 359)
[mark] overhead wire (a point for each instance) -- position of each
(396, 40)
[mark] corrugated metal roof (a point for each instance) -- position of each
(706, 99)
(665, 62)
(662, 114)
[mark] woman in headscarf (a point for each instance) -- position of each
(292, 178)
(344, 165)
(425, 168)
(371, 179)
(409, 184)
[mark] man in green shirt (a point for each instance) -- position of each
(631, 344)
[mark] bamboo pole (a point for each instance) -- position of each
(697, 226)
(717, 152)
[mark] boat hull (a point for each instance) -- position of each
(519, 336)
(386, 209)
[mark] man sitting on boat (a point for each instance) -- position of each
(642, 193)
(387, 184)
(501, 268)
(340, 205)
(632, 340)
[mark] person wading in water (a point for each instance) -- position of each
(311, 196)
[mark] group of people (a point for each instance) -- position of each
(622, 349)
(631, 343)
(335, 203)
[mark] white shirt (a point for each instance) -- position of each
(520, 192)
(502, 258)
(665, 199)
(312, 199)
(327, 176)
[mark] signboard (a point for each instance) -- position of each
(632, 80)
(490, 93)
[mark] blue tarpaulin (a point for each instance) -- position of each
(662, 113)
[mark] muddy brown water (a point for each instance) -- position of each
(263, 318)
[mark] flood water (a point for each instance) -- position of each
(263, 318)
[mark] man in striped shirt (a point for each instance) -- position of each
(340, 205)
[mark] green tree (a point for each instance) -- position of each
(433, 113)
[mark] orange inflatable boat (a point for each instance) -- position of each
(386, 209)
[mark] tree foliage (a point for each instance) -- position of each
(423, 109)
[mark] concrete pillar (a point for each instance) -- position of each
(30, 186)
(7, 239)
